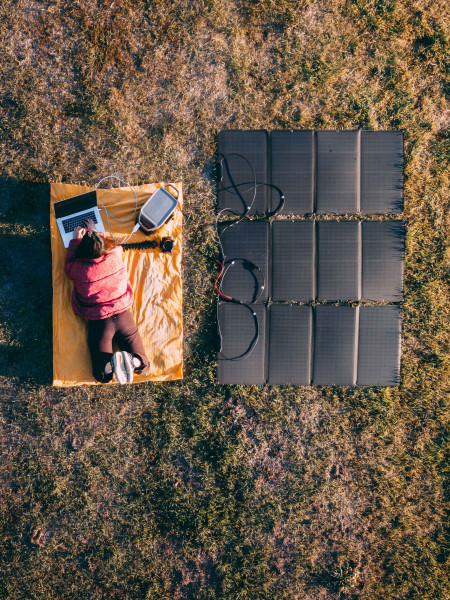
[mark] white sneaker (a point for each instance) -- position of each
(122, 366)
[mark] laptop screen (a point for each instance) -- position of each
(75, 204)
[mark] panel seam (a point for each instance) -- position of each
(314, 171)
(316, 260)
(358, 171)
(312, 338)
(356, 347)
(269, 189)
(360, 261)
(266, 355)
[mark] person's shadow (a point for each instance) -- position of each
(25, 281)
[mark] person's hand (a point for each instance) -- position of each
(78, 233)
(89, 224)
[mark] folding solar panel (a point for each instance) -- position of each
(242, 356)
(335, 345)
(381, 172)
(292, 168)
(246, 244)
(382, 260)
(379, 345)
(337, 172)
(242, 160)
(290, 344)
(293, 262)
(338, 260)
(299, 261)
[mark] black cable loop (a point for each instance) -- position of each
(247, 208)
(260, 184)
(254, 341)
(253, 267)
(234, 186)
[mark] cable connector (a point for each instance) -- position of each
(135, 228)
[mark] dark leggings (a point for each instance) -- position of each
(121, 329)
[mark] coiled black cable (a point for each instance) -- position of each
(166, 245)
(235, 187)
(253, 343)
(140, 245)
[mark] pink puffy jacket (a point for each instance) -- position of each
(101, 287)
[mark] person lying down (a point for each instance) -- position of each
(103, 295)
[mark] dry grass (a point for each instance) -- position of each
(191, 490)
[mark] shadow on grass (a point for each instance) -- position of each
(25, 281)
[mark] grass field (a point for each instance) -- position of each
(188, 490)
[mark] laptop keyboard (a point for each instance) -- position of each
(70, 224)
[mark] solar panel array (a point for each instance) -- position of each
(338, 172)
(287, 272)
(310, 345)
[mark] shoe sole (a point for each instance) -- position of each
(128, 365)
(119, 369)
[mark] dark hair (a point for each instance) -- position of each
(93, 245)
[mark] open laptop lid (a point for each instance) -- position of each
(75, 204)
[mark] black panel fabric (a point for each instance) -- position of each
(379, 345)
(339, 257)
(290, 344)
(383, 245)
(293, 170)
(337, 172)
(238, 331)
(253, 146)
(381, 172)
(248, 240)
(293, 261)
(335, 345)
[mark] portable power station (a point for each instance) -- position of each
(159, 208)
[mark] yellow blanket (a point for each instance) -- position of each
(156, 281)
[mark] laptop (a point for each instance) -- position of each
(72, 212)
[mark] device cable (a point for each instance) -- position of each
(254, 341)
(108, 214)
(224, 266)
(258, 184)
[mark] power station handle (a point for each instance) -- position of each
(169, 185)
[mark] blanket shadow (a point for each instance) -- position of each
(25, 281)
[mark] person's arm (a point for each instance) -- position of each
(78, 233)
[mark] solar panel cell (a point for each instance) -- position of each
(379, 345)
(246, 241)
(243, 156)
(335, 345)
(337, 172)
(381, 172)
(338, 260)
(293, 261)
(238, 335)
(293, 170)
(383, 260)
(290, 344)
